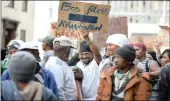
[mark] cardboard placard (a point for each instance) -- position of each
(77, 15)
(118, 25)
(99, 39)
(163, 37)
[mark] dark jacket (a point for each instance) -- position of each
(9, 91)
(47, 76)
(161, 91)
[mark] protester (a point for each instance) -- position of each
(42, 75)
(151, 67)
(161, 91)
(63, 74)
(165, 58)
(112, 43)
(89, 59)
(122, 81)
(22, 67)
(47, 45)
(12, 47)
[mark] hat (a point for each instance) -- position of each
(29, 45)
(22, 66)
(140, 45)
(117, 39)
(63, 41)
(48, 40)
(84, 47)
(127, 52)
(14, 44)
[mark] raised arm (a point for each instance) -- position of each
(94, 49)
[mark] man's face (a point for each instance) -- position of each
(11, 51)
(44, 45)
(139, 52)
(120, 63)
(86, 57)
(165, 59)
(110, 49)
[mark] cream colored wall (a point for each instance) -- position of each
(26, 19)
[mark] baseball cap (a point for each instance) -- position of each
(63, 41)
(29, 45)
(48, 40)
(14, 44)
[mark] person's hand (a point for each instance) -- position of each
(85, 34)
(146, 75)
(157, 46)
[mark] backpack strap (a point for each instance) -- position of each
(148, 62)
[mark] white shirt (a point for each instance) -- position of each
(90, 80)
(64, 78)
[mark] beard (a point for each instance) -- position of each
(86, 62)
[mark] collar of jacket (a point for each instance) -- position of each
(108, 72)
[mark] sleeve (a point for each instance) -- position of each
(48, 95)
(142, 90)
(159, 91)
(5, 76)
(59, 78)
(52, 84)
(70, 84)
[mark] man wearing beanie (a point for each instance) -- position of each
(42, 75)
(22, 67)
(89, 60)
(112, 43)
(122, 82)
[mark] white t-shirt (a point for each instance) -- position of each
(64, 78)
(90, 80)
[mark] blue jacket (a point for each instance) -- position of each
(47, 76)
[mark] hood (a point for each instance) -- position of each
(33, 91)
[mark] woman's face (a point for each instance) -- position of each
(110, 49)
(165, 59)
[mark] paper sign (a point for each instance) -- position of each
(118, 25)
(77, 15)
(99, 39)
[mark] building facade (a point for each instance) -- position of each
(143, 16)
(17, 21)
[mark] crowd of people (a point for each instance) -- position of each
(126, 71)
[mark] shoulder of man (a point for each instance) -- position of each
(107, 72)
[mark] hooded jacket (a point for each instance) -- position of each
(47, 76)
(33, 91)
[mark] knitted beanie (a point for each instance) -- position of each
(22, 66)
(127, 52)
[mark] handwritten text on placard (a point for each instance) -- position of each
(78, 15)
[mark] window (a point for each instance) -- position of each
(22, 35)
(24, 6)
(11, 4)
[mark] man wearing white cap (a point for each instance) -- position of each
(63, 74)
(113, 42)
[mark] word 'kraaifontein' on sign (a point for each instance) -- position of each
(78, 15)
